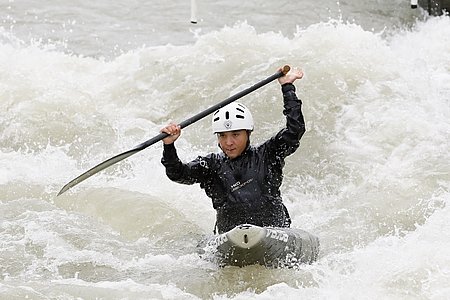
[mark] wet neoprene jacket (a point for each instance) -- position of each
(246, 189)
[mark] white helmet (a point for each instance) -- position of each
(234, 116)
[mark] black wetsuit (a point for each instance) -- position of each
(246, 189)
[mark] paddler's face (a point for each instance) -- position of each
(233, 143)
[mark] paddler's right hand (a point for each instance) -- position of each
(174, 132)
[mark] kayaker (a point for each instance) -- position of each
(243, 181)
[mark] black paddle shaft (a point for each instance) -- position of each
(283, 71)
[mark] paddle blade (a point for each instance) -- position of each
(97, 169)
(111, 161)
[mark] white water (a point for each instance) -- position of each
(371, 178)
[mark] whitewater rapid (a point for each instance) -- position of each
(371, 177)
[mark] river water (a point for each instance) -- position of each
(82, 81)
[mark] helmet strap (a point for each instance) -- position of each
(249, 132)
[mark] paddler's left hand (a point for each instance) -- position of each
(291, 76)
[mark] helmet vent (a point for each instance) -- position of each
(240, 117)
(227, 115)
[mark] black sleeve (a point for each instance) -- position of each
(195, 171)
(287, 140)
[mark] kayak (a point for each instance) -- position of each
(272, 247)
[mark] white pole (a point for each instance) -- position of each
(193, 12)
(413, 3)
